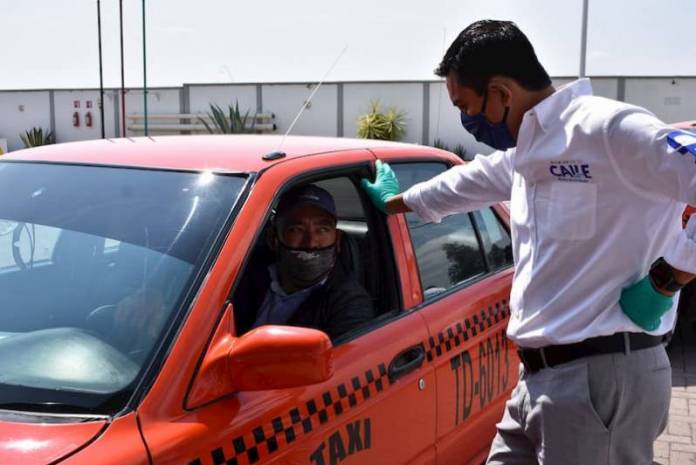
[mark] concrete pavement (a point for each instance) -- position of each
(677, 445)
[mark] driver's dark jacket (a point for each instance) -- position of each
(338, 306)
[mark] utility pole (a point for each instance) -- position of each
(123, 80)
(101, 71)
(144, 71)
(583, 40)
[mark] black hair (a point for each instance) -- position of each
(488, 48)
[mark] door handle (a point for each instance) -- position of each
(406, 361)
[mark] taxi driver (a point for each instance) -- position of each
(306, 284)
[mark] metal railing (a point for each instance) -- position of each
(190, 123)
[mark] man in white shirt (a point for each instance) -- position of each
(596, 189)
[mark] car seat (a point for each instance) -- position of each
(350, 257)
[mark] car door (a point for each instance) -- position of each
(379, 405)
(464, 264)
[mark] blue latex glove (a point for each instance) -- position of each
(644, 305)
(385, 187)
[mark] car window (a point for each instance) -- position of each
(448, 253)
(362, 278)
(348, 205)
(94, 262)
(495, 239)
(22, 244)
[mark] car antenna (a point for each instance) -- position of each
(278, 153)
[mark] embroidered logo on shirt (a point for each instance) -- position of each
(683, 142)
(570, 171)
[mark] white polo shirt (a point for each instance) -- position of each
(596, 194)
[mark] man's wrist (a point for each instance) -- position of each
(683, 277)
(666, 279)
(396, 204)
(662, 291)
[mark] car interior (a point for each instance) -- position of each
(364, 252)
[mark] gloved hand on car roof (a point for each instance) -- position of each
(385, 186)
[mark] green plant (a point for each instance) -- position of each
(231, 123)
(36, 136)
(439, 144)
(375, 124)
(459, 150)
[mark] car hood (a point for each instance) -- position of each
(43, 443)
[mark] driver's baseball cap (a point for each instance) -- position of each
(306, 195)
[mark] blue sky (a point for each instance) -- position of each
(53, 43)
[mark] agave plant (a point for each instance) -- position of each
(458, 149)
(376, 124)
(36, 136)
(461, 152)
(440, 144)
(231, 123)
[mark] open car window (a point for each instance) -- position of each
(364, 262)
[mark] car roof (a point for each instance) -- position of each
(238, 153)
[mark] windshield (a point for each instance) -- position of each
(94, 262)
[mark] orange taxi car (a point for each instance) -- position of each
(120, 261)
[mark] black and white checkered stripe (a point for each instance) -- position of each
(460, 332)
(284, 430)
(267, 439)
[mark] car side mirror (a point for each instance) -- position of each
(268, 357)
(277, 357)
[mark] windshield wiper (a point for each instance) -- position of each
(46, 407)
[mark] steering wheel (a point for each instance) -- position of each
(100, 318)
(100, 322)
(16, 252)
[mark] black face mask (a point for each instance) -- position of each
(306, 267)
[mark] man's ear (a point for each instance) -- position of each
(502, 86)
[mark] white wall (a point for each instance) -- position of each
(285, 101)
(406, 97)
(606, 87)
(671, 100)
(19, 112)
(445, 123)
(65, 107)
(200, 97)
(560, 82)
(158, 101)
